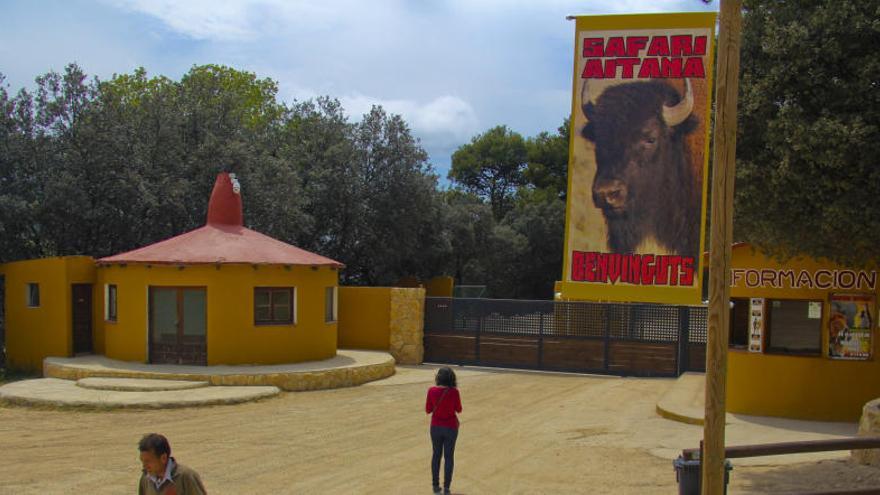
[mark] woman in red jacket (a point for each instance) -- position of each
(442, 403)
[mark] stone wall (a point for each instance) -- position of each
(869, 425)
(407, 320)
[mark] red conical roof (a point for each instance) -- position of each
(224, 207)
(222, 240)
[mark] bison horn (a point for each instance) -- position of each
(682, 110)
(585, 93)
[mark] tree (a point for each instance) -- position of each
(19, 182)
(469, 224)
(547, 166)
(539, 217)
(399, 197)
(491, 166)
(809, 129)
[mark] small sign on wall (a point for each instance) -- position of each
(814, 310)
(756, 324)
(850, 326)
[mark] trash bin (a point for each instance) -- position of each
(688, 476)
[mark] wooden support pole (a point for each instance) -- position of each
(720, 241)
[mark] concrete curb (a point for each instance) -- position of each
(348, 369)
(137, 384)
(681, 418)
(54, 393)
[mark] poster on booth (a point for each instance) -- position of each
(638, 158)
(756, 324)
(850, 326)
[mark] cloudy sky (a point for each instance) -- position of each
(452, 68)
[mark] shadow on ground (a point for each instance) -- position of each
(800, 478)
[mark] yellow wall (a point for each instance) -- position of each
(804, 387)
(33, 334)
(814, 388)
(232, 336)
(440, 286)
(364, 317)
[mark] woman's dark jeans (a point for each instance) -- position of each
(443, 440)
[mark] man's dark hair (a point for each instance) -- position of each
(155, 443)
(445, 377)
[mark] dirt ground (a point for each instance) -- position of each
(521, 433)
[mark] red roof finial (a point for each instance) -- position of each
(225, 204)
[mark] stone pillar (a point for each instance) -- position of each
(407, 324)
(869, 425)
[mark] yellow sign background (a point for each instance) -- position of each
(585, 228)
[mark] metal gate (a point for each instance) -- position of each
(620, 339)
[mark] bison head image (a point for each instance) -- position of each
(644, 181)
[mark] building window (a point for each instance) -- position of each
(33, 295)
(330, 304)
(794, 327)
(275, 305)
(110, 302)
(739, 323)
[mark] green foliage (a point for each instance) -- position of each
(102, 167)
(547, 166)
(513, 244)
(491, 166)
(809, 129)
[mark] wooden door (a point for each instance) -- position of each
(82, 318)
(178, 325)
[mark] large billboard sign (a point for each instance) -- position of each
(638, 159)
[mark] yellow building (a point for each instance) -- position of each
(803, 338)
(220, 294)
(49, 310)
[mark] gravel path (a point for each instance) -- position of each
(522, 433)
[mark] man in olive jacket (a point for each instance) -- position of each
(162, 474)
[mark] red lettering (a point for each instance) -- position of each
(602, 267)
(577, 266)
(589, 267)
(592, 69)
(670, 67)
(662, 270)
(693, 67)
(627, 64)
(681, 45)
(635, 44)
(648, 269)
(593, 47)
(635, 269)
(624, 268)
(700, 45)
(659, 47)
(687, 264)
(649, 68)
(614, 47)
(610, 68)
(614, 268)
(674, 266)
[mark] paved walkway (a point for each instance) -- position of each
(102, 383)
(683, 401)
(347, 368)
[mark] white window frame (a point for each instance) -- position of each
(107, 303)
(335, 302)
(28, 293)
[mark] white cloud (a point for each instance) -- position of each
(451, 68)
(235, 20)
(198, 19)
(439, 120)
